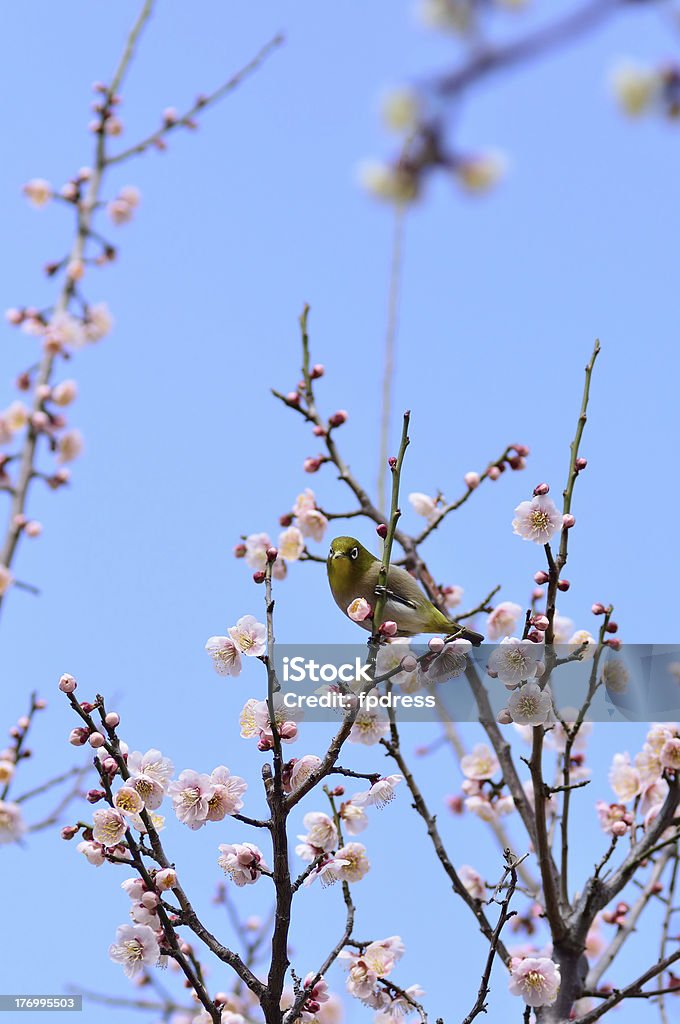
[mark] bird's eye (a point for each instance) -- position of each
(354, 553)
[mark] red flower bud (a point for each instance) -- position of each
(312, 463)
(272, 554)
(541, 489)
(259, 576)
(319, 431)
(381, 530)
(521, 449)
(517, 462)
(615, 644)
(239, 550)
(563, 585)
(535, 637)
(338, 418)
(612, 627)
(286, 519)
(598, 609)
(317, 371)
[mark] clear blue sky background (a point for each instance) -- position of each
(240, 223)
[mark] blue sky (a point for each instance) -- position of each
(240, 223)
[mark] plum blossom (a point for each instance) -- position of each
(502, 620)
(359, 610)
(150, 775)
(38, 192)
(225, 655)
(370, 725)
(670, 754)
(109, 827)
(537, 520)
(310, 521)
(128, 801)
(635, 87)
(450, 663)
(247, 719)
(480, 764)
(356, 862)
(562, 628)
(7, 769)
(393, 1008)
(536, 979)
(134, 888)
(321, 831)
(479, 173)
(624, 778)
(6, 579)
(227, 792)
(615, 675)
(300, 771)
(12, 824)
(93, 852)
(191, 794)
(610, 816)
(423, 504)
(515, 661)
(473, 881)
(243, 862)
(530, 705)
(135, 946)
(285, 719)
(98, 322)
(249, 636)
(380, 794)
(400, 110)
(256, 550)
(69, 446)
(453, 595)
(489, 810)
(353, 818)
(327, 869)
(581, 637)
(291, 544)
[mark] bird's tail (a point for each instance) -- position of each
(463, 633)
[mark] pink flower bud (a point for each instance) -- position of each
(563, 585)
(149, 900)
(409, 663)
(535, 637)
(614, 643)
(388, 628)
(568, 521)
(94, 795)
(541, 489)
(97, 740)
(33, 528)
(612, 627)
(436, 645)
(286, 519)
(14, 316)
(541, 577)
(471, 480)
(110, 765)
(165, 879)
(517, 462)
(319, 431)
(112, 719)
(494, 473)
(87, 706)
(381, 530)
(338, 418)
(272, 554)
(619, 828)
(392, 462)
(293, 398)
(78, 737)
(312, 464)
(521, 449)
(338, 791)
(67, 683)
(239, 551)
(581, 463)
(504, 717)
(40, 704)
(317, 371)
(455, 804)
(537, 594)
(259, 576)
(541, 622)
(69, 831)
(598, 609)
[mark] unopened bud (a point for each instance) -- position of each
(312, 463)
(272, 554)
(319, 431)
(97, 740)
(112, 719)
(598, 609)
(504, 717)
(494, 473)
(541, 577)
(381, 530)
(317, 371)
(568, 521)
(69, 831)
(541, 489)
(388, 628)
(517, 462)
(409, 663)
(541, 622)
(239, 551)
(293, 398)
(95, 795)
(436, 644)
(535, 637)
(563, 585)
(619, 828)
(78, 737)
(259, 576)
(67, 683)
(580, 464)
(471, 480)
(286, 520)
(614, 643)
(521, 449)
(612, 627)
(338, 418)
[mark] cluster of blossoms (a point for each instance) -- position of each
(305, 521)
(368, 967)
(481, 795)
(247, 637)
(12, 823)
(639, 89)
(641, 782)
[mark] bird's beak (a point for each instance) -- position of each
(337, 554)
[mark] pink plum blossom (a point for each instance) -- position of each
(530, 705)
(537, 520)
(536, 979)
(473, 881)
(291, 544)
(136, 945)
(243, 862)
(359, 609)
(227, 792)
(150, 775)
(502, 620)
(302, 769)
(109, 827)
(480, 764)
(256, 550)
(370, 725)
(12, 824)
(353, 818)
(225, 655)
(249, 636)
(321, 831)
(191, 794)
(624, 778)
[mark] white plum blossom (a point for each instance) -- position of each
(225, 655)
(247, 719)
(191, 794)
(473, 881)
(615, 675)
(450, 663)
(353, 818)
(256, 550)
(530, 705)
(502, 620)
(356, 863)
(12, 825)
(515, 661)
(303, 768)
(670, 754)
(482, 171)
(581, 637)
(227, 792)
(310, 521)
(562, 628)
(635, 87)
(98, 322)
(108, 827)
(291, 544)
(285, 719)
(38, 191)
(400, 109)
(243, 862)
(370, 725)
(150, 775)
(480, 763)
(135, 946)
(423, 504)
(536, 979)
(134, 887)
(93, 852)
(327, 869)
(7, 769)
(249, 636)
(624, 778)
(128, 801)
(380, 794)
(537, 520)
(321, 831)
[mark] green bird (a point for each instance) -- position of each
(353, 572)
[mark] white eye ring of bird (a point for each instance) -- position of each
(354, 553)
